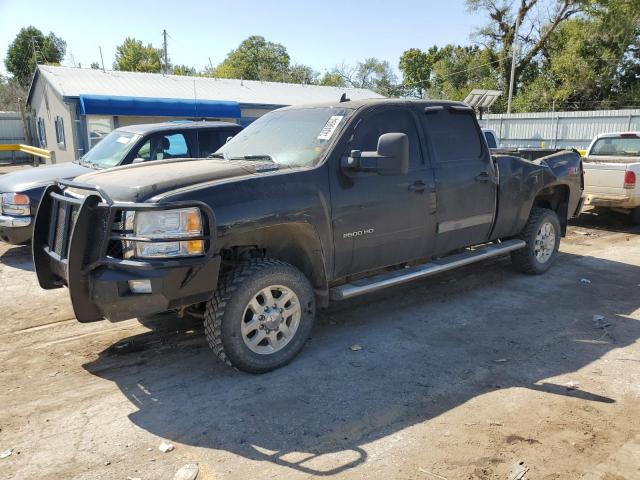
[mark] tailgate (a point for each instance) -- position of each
(604, 178)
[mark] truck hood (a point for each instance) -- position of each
(139, 182)
(34, 177)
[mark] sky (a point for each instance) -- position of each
(320, 34)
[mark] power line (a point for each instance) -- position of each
(478, 67)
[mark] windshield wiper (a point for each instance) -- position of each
(255, 157)
(218, 155)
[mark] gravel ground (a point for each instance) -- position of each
(477, 374)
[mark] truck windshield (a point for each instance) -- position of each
(291, 137)
(111, 150)
(627, 146)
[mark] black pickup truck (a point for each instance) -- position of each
(306, 205)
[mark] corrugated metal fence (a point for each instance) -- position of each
(559, 129)
(11, 131)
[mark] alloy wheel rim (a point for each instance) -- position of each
(270, 319)
(545, 242)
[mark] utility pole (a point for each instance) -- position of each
(101, 59)
(514, 54)
(166, 56)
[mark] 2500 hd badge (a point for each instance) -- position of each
(358, 233)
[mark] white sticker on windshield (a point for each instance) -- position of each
(123, 140)
(330, 127)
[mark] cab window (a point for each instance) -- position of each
(159, 147)
(388, 121)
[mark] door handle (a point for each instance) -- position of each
(483, 177)
(418, 186)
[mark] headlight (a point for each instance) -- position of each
(15, 204)
(152, 224)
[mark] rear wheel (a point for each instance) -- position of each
(635, 215)
(260, 316)
(542, 235)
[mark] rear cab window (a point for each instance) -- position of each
(626, 145)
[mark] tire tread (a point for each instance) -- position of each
(521, 259)
(227, 287)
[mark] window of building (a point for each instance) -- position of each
(98, 127)
(42, 133)
(59, 124)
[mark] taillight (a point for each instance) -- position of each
(629, 179)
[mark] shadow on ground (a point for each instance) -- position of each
(18, 257)
(428, 347)
(606, 220)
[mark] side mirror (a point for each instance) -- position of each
(391, 157)
(138, 160)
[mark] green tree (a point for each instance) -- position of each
(183, 70)
(589, 62)
(95, 66)
(133, 56)
(298, 73)
(30, 47)
(416, 67)
(11, 93)
(331, 79)
(449, 72)
(255, 59)
(370, 73)
(538, 21)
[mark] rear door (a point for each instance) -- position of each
(466, 180)
(379, 220)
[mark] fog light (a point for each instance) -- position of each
(140, 286)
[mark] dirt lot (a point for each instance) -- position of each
(461, 376)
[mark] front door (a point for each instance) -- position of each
(465, 177)
(379, 220)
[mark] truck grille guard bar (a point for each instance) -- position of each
(77, 234)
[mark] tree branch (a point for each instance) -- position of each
(565, 12)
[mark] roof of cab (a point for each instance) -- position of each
(145, 128)
(369, 102)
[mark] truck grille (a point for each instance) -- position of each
(63, 218)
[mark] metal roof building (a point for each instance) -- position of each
(71, 109)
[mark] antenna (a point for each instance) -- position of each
(101, 59)
(344, 98)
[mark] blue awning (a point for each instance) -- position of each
(159, 107)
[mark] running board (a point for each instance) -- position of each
(397, 277)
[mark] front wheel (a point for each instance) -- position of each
(260, 316)
(542, 235)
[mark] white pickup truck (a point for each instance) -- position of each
(612, 173)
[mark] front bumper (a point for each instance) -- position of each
(15, 230)
(73, 250)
